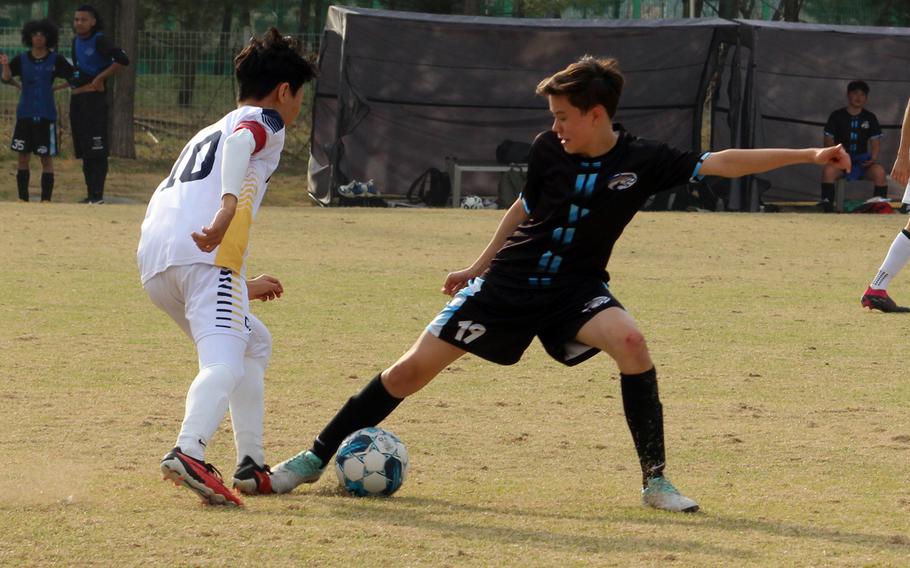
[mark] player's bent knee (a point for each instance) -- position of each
(405, 377)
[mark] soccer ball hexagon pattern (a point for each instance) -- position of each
(371, 462)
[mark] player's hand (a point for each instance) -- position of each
(834, 155)
(264, 287)
(901, 170)
(211, 236)
(97, 84)
(457, 280)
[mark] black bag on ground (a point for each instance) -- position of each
(432, 187)
(512, 152)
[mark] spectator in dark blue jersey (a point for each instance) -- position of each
(96, 58)
(36, 114)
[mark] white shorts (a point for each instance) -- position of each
(906, 198)
(206, 300)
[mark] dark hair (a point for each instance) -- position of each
(99, 23)
(267, 62)
(588, 82)
(858, 85)
(46, 27)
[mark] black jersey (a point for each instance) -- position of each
(854, 132)
(578, 208)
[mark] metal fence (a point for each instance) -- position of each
(185, 80)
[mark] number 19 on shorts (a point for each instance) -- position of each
(468, 331)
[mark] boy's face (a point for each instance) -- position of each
(578, 131)
(83, 22)
(38, 40)
(289, 103)
(857, 98)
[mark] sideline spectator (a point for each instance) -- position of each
(36, 115)
(96, 58)
(857, 129)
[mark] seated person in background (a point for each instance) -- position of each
(859, 132)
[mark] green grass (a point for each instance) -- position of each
(786, 404)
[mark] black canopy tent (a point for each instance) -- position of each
(399, 92)
(800, 75)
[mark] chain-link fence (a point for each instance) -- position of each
(185, 80)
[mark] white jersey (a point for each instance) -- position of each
(191, 195)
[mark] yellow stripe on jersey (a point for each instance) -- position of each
(233, 246)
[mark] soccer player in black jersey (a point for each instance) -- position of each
(96, 58)
(544, 272)
(858, 130)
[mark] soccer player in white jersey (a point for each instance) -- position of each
(192, 255)
(876, 295)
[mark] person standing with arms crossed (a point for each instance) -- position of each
(96, 58)
(36, 114)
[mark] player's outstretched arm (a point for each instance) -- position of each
(457, 280)
(736, 162)
(901, 170)
(264, 287)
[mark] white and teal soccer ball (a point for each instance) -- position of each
(371, 462)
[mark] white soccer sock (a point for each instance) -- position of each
(206, 405)
(247, 405)
(897, 257)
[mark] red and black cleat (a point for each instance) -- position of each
(880, 300)
(199, 476)
(252, 479)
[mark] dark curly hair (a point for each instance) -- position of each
(269, 61)
(47, 28)
(99, 23)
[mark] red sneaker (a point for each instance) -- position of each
(880, 300)
(199, 476)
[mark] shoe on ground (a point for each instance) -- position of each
(880, 300)
(825, 206)
(660, 494)
(251, 478)
(86, 200)
(96, 202)
(305, 467)
(198, 476)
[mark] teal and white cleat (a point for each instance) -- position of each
(661, 494)
(305, 467)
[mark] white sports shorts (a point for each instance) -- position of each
(906, 198)
(206, 300)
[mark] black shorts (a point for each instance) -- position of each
(38, 136)
(88, 119)
(499, 323)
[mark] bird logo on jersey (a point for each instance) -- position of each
(623, 181)
(596, 303)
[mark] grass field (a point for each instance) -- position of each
(787, 406)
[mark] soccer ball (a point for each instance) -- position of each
(371, 462)
(471, 202)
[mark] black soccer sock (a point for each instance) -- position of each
(369, 407)
(645, 417)
(22, 182)
(87, 174)
(98, 174)
(880, 191)
(828, 192)
(47, 186)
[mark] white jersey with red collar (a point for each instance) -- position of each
(189, 197)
